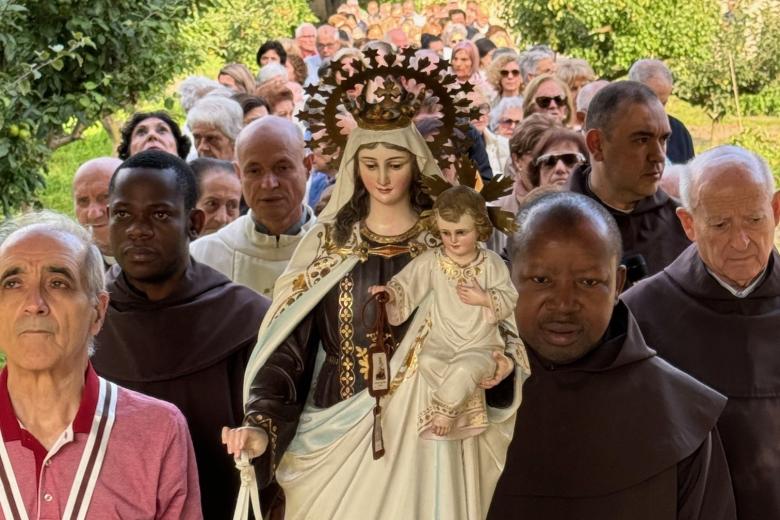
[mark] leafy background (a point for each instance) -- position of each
(71, 71)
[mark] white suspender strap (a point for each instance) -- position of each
(94, 453)
(10, 497)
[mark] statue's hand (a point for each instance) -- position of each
(253, 441)
(504, 367)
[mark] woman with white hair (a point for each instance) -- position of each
(505, 117)
(194, 88)
(215, 122)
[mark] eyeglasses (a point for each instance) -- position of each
(509, 122)
(512, 72)
(549, 160)
(544, 102)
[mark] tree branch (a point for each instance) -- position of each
(56, 140)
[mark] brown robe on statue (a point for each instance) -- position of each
(617, 435)
(651, 229)
(189, 349)
(730, 344)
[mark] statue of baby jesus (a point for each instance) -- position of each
(472, 293)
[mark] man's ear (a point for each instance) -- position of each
(776, 207)
(620, 279)
(101, 306)
(196, 222)
(594, 138)
(581, 118)
(686, 219)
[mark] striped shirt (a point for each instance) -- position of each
(148, 472)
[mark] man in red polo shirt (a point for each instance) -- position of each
(73, 444)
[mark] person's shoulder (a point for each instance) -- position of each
(248, 296)
(143, 411)
(653, 285)
(676, 124)
(698, 398)
(220, 239)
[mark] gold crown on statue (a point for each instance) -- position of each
(393, 106)
(380, 90)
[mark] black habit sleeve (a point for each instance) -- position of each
(704, 489)
(278, 393)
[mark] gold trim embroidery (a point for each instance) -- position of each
(382, 239)
(327, 258)
(473, 410)
(495, 298)
(346, 331)
(460, 273)
(409, 366)
(266, 423)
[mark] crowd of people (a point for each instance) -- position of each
(606, 319)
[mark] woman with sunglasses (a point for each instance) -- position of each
(504, 76)
(558, 152)
(549, 95)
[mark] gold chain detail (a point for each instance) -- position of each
(346, 331)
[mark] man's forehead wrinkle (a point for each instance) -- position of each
(74, 243)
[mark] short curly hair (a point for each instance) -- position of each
(494, 69)
(183, 143)
(461, 200)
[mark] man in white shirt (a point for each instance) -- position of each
(254, 249)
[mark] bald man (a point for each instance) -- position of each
(606, 429)
(90, 200)
(254, 249)
(723, 296)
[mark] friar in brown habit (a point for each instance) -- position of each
(606, 429)
(715, 313)
(627, 129)
(176, 329)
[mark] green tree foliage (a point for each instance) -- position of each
(743, 49)
(697, 41)
(611, 35)
(66, 64)
(234, 29)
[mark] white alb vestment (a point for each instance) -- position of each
(247, 256)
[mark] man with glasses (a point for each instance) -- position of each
(327, 45)
(626, 133)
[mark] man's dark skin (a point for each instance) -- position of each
(605, 428)
(568, 287)
(177, 329)
(150, 230)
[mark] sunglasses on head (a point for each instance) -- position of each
(545, 101)
(507, 73)
(570, 160)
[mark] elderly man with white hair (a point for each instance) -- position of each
(535, 62)
(657, 76)
(215, 122)
(73, 445)
(715, 312)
